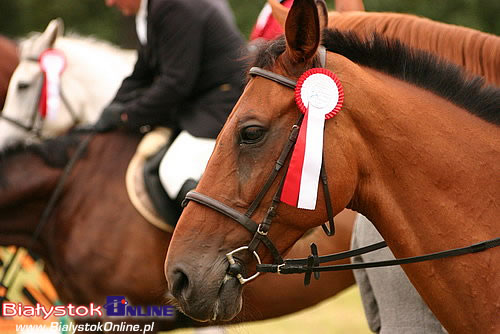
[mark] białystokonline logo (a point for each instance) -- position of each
(116, 306)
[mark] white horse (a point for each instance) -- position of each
(93, 73)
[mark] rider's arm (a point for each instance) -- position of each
(178, 31)
(141, 78)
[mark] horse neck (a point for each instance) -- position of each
(427, 182)
(101, 173)
(27, 183)
(476, 51)
(429, 163)
(30, 183)
(93, 74)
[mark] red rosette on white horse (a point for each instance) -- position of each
(52, 63)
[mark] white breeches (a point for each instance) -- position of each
(186, 159)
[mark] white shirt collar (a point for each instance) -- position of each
(141, 25)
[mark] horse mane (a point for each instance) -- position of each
(55, 152)
(74, 37)
(414, 66)
(95, 41)
(478, 52)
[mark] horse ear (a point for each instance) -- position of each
(323, 13)
(280, 12)
(47, 39)
(302, 31)
(54, 29)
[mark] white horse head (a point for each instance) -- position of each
(93, 73)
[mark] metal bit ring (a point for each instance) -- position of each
(231, 260)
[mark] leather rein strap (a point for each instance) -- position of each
(311, 264)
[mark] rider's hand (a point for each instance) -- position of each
(112, 117)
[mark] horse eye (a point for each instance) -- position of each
(23, 85)
(251, 134)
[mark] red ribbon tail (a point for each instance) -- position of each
(42, 107)
(291, 186)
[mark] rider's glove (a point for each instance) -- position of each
(112, 117)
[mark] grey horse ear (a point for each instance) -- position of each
(54, 29)
(48, 38)
(323, 14)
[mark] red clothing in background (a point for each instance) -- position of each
(267, 27)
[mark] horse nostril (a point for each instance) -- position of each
(180, 283)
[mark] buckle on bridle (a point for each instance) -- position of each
(233, 264)
(261, 232)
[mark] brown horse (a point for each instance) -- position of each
(8, 63)
(477, 52)
(95, 243)
(91, 227)
(415, 149)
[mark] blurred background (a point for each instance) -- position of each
(92, 17)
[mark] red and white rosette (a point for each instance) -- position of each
(319, 95)
(52, 62)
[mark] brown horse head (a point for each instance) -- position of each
(392, 153)
(253, 136)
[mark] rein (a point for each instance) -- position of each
(46, 214)
(311, 264)
(30, 127)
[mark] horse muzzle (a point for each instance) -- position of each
(205, 295)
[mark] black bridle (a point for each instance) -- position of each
(31, 126)
(311, 264)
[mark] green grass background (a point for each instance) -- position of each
(342, 314)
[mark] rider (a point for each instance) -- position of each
(188, 76)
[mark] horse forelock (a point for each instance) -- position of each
(414, 66)
(267, 54)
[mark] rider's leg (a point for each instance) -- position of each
(184, 163)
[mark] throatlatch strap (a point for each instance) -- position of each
(328, 202)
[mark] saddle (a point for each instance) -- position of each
(143, 183)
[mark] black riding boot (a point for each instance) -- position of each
(189, 185)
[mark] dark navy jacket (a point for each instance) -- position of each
(190, 74)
